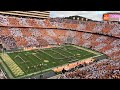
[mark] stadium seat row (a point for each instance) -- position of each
(13, 38)
(106, 28)
(103, 69)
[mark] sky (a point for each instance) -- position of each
(94, 15)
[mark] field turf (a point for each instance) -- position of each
(35, 61)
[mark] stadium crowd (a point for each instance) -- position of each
(2, 76)
(104, 37)
(28, 37)
(106, 28)
(103, 69)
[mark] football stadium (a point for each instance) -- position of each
(35, 46)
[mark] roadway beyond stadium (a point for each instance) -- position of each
(22, 64)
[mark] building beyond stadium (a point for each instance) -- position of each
(111, 17)
(31, 14)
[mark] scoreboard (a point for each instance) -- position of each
(111, 17)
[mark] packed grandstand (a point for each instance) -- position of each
(17, 33)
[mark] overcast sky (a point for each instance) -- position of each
(94, 15)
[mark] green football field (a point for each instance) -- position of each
(26, 63)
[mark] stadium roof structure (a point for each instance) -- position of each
(32, 14)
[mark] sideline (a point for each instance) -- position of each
(87, 50)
